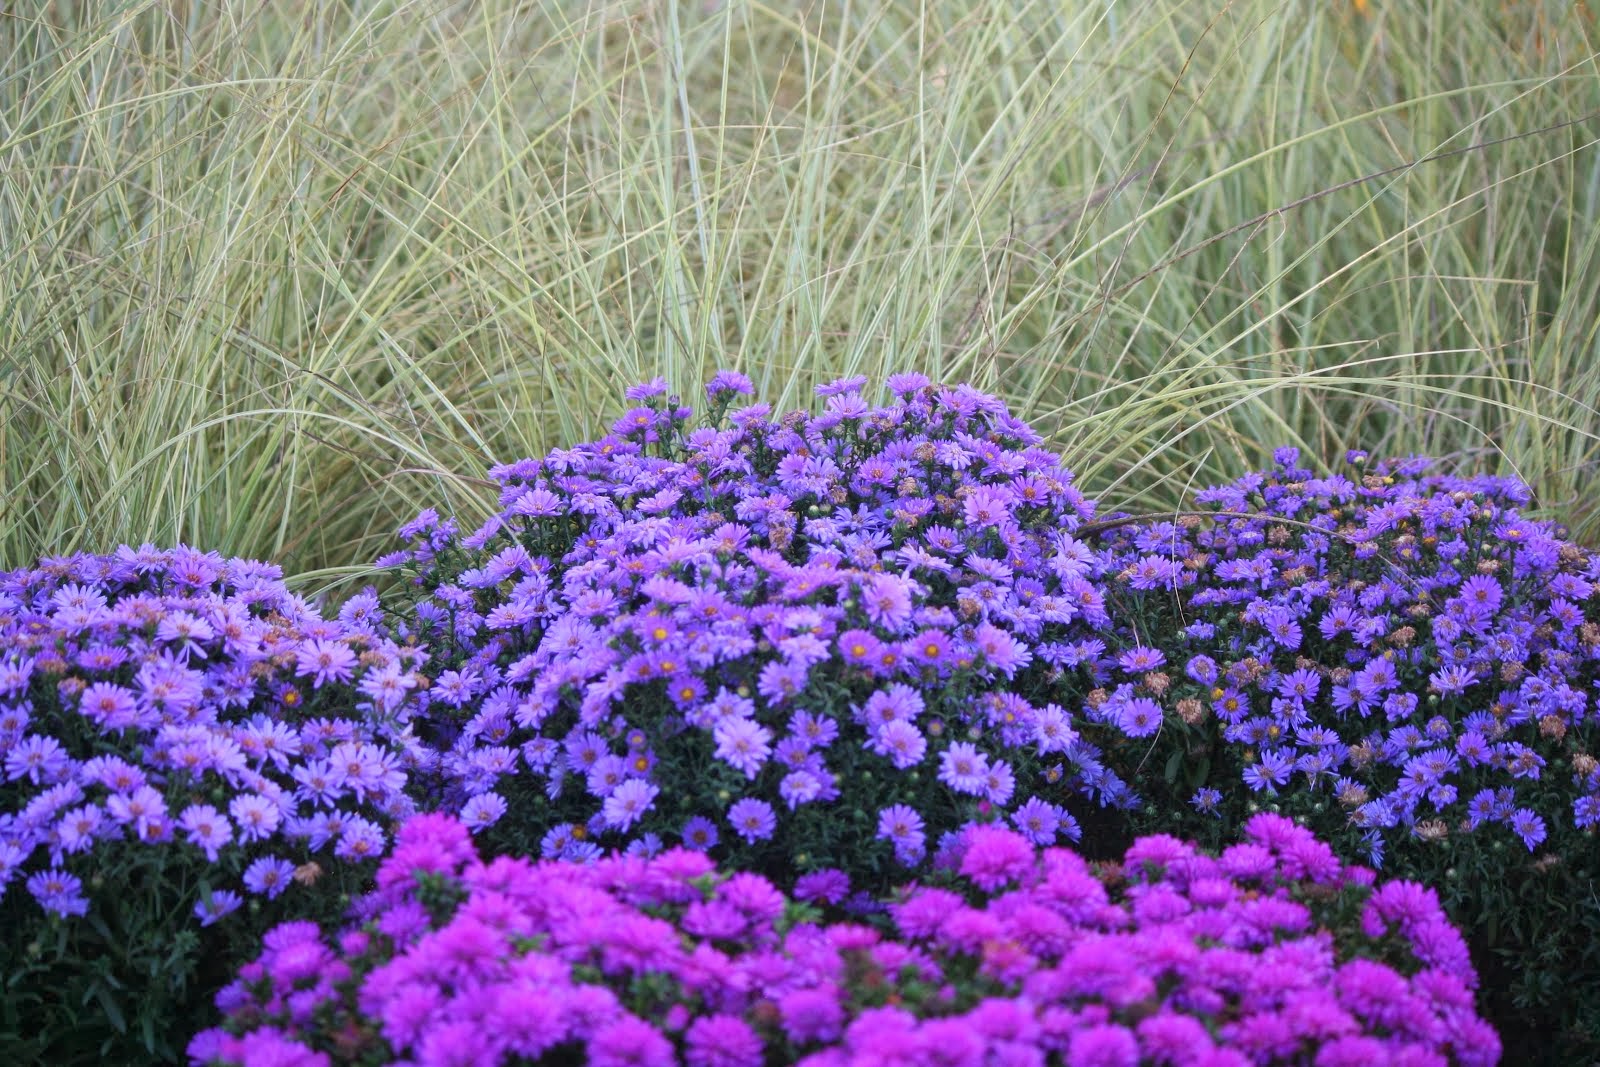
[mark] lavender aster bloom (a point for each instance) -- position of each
(752, 819)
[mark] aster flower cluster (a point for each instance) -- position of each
(1398, 657)
(1024, 955)
(798, 641)
(189, 752)
(176, 700)
(1409, 648)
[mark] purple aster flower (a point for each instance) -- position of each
(727, 384)
(268, 876)
(145, 810)
(929, 647)
(628, 803)
(800, 787)
(1140, 659)
(1139, 717)
(207, 828)
(78, 828)
(752, 819)
(700, 834)
(1038, 821)
(220, 902)
(962, 767)
(110, 707)
(325, 661)
(859, 648)
(886, 598)
(39, 759)
(256, 817)
(901, 742)
(744, 744)
(483, 810)
(999, 782)
(1528, 826)
(902, 826)
(58, 892)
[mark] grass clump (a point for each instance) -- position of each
(275, 277)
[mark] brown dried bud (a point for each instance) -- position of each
(1432, 830)
(1511, 670)
(1108, 872)
(1340, 675)
(968, 606)
(308, 873)
(1156, 682)
(1552, 726)
(1353, 795)
(1096, 697)
(1589, 634)
(1191, 711)
(924, 452)
(1546, 862)
(1584, 764)
(1403, 637)
(1188, 522)
(1488, 566)
(1419, 611)
(1277, 535)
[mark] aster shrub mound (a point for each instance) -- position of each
(1400, 660)
(190, 754)
(802, 643)
(1270, 953)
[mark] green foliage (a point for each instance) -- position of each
(134, 978)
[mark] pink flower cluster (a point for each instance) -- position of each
(1271, 952)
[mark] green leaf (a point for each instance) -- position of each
(109, 1005)
(1174, 764)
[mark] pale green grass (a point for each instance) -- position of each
(275, 275)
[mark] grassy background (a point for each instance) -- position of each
(275, 275)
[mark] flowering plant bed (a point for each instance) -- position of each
(763, 698)
(1267, 954)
